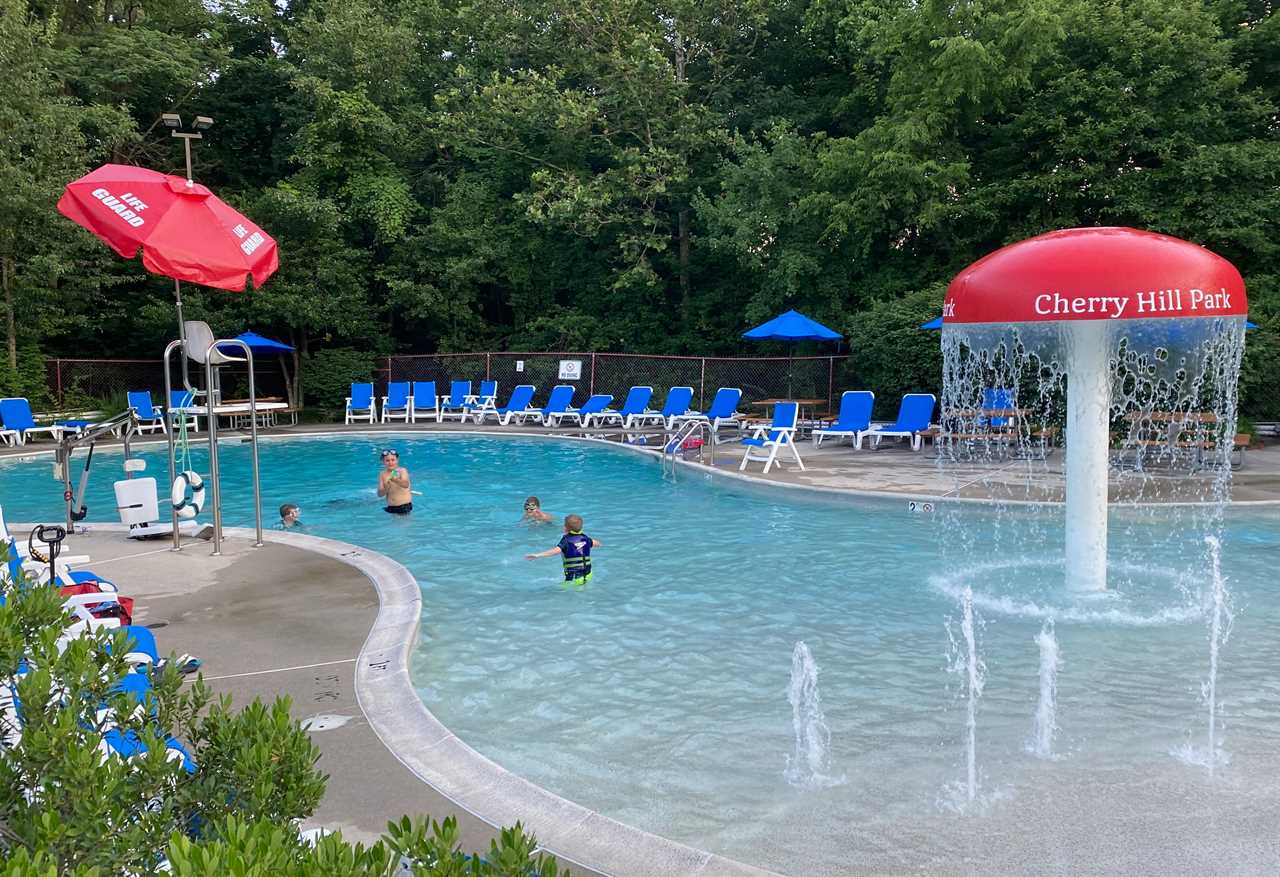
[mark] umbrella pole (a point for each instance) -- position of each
(177, 297)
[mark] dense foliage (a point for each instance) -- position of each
(626, 175)
(68, 809)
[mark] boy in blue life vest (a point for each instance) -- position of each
(574, 550)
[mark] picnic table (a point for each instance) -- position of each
(1174, 436)
(802, 422)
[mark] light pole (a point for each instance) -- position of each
(174, 122)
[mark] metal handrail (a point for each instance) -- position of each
(683, 434)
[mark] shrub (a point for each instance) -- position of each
(890, 354)
(28, 379)
(330, 373)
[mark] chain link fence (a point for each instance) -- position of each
(105, 383)
(809, 377)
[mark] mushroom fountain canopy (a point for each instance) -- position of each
(1141, 335)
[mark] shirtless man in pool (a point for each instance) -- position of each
(393, 483)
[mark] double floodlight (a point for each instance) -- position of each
(173, 120)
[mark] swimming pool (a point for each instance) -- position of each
(659, 694)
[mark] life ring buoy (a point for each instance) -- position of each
(184, 506)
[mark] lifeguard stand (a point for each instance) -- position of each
(199, 345)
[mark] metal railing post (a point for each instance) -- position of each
(215, 498)
(591, 383)
(169, 426)
(488, 366)
(831, 381)
(702, 385)
(57, 370)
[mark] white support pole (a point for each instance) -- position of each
(1088, 443)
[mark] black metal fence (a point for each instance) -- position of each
(807, 377)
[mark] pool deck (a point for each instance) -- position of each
(331, 626)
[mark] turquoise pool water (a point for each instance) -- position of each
(658, 695)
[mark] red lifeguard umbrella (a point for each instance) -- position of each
(184, 230)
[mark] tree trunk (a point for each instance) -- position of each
(684, 260)
(683, 216)
(299, 351)
(6, 279)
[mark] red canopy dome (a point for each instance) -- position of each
(1095, 274)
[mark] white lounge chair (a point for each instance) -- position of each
(773, 438)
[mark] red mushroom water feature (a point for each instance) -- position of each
(1075, 297)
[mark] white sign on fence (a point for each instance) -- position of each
(519, 365)
(570, 369)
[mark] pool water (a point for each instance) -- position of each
(658, 694)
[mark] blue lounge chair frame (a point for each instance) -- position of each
(424, 402)
(361, 405)
(636, 404)
(676, 405)
(180, 401)
(455, 404)
(914, 415)
(854, 417)
(150, 417)
(482, 402)
(19, 423)
(723, 411)
(396, 405)
(593, 406)
(558, 404)
(771, 439)
(518, 407)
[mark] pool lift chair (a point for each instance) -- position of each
(199, 346)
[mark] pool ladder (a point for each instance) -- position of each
(675, 445)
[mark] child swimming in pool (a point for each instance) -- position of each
(533, 512)
(574, 549)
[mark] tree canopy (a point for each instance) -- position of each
(626, 175)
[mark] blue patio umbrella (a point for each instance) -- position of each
(262, 346)
(791, 327)
(257, 343)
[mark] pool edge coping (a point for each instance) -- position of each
(443, 761)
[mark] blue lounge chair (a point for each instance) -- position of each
(589, 409)
(488, 394)
(179, 402)
(15, 413)
(557, 406)
(636, 404)
(150, 417)
(517, 407)
(998, 399)
(773, 438)
(854, 417)
(360, 404)
(723, 410)
(395, 405)
(425, 402)
(913, 418)
(677, 405)
(455, 404)
(484, 401)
